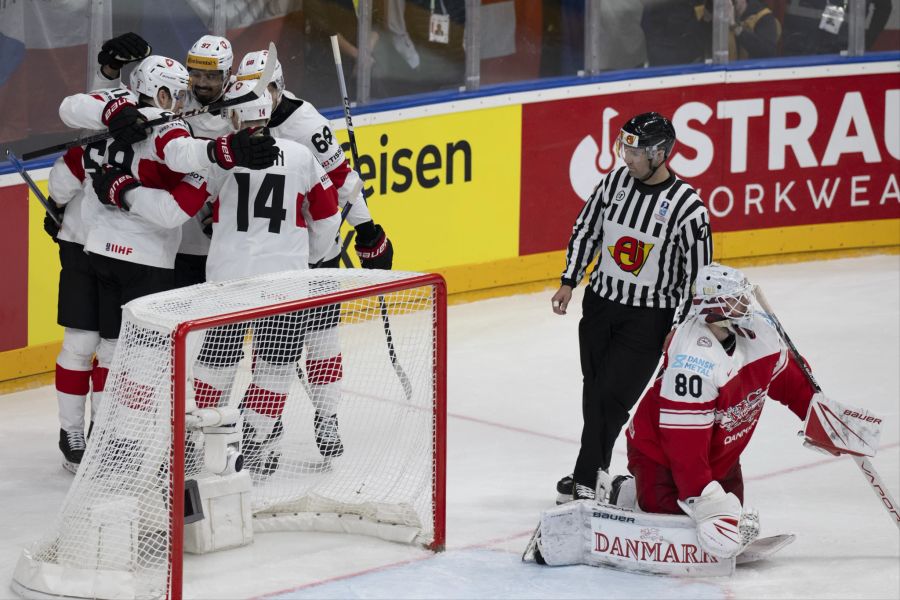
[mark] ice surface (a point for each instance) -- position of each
(514, 404)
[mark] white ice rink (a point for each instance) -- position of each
(514, 424)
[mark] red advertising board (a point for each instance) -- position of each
(765, 154)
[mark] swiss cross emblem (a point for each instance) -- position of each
(224, 44)
(238, 85)
(250, 61)
(169, 62)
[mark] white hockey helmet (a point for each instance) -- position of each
(157, 72)
(723, 294)
(253, 64)
(211, 53)
(258, 109)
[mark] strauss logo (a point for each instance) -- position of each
(590, 162)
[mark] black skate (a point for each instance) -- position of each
(72, 445)
(564, 489)
(261, 456)
(328, 439)
(583, 492)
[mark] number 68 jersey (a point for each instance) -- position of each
(280, 218)
(699, 414)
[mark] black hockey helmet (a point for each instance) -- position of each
(648, 130)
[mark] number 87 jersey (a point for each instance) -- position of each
(275, 219)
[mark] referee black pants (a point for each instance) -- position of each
(620, 349)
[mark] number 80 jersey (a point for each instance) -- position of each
(280, 218)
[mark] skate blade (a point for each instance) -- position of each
(528, 555)
(563, 498)
(70, 467)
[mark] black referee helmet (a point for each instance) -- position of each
(649, 130)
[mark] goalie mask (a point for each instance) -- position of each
(258, 109)
(649, 132)
(723, 295)
(252, 66)
(158, 72)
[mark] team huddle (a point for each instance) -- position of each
(257, 189)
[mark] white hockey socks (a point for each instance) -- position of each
(74, 365)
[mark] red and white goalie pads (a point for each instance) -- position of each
(839, 429)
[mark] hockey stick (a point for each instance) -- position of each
(213, 108)
(388, 334)
(48, 206)
(865, 465)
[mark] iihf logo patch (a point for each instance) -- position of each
(704, 342)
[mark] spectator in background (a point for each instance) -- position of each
(807, 32)
(674, 32)
(754, 30)
(622, 42)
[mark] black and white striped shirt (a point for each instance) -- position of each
(652, 240)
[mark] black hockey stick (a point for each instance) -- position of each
(213, 108)
(48, 206)
(865, 465)
(388, 334)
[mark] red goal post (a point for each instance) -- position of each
(391, 326)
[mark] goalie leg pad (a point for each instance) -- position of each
(585, 532)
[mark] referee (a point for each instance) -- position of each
(651, 232)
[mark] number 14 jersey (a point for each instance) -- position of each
(280, 218)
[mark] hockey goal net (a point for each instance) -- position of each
(334, 382)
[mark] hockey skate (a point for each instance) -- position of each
(564, 489)
(583, 492)
(261, 456)
(328, 439)
(72, 445)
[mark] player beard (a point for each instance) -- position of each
(204, 93)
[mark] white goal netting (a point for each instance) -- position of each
(340, 423)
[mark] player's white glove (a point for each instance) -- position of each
(834, 428)
(724, 529)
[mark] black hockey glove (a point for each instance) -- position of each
(111, 185)
(124, 49)
(50, 225)
(252, 148)
(373, 247)
(125, 121)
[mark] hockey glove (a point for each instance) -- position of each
(125, 121)
(373, 247)
(50, 225)
(252, 148)
(124, 49)
(835, 428)
(724, 528)
(111, 184)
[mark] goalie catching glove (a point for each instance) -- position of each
(111, 184)
(123, 49)
(834, 428)
(373, 247)
(724, 528)
(252, 148)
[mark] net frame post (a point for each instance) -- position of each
(179, 373)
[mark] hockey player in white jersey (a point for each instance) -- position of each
(77, 312)
(298, 120)
(133, 257)
(209, 63)
(284, 217)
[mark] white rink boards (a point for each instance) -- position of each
(514, 406)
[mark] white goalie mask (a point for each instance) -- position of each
(158, 72)
(254, 63)
(723, 294)
(258, 109)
